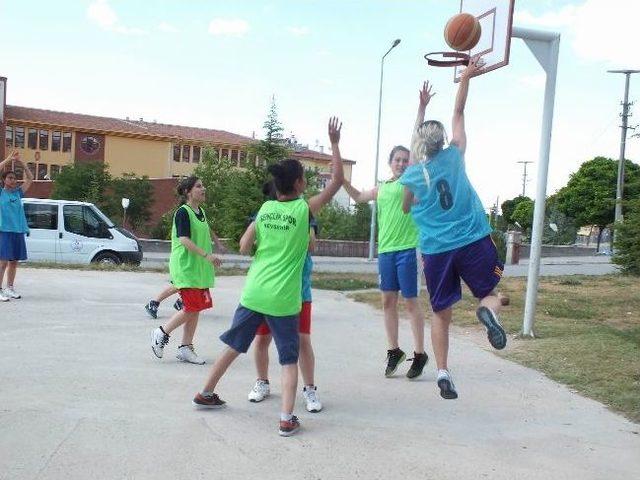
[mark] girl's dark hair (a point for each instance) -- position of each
(4, 176)
(396, 149)
(269, 190)
(285, 173)
(185, 186)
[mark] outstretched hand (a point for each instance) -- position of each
(425, 94)
(476, 64)
(335, 126)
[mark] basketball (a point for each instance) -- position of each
(462, 32)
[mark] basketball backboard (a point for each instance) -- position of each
(496, 21)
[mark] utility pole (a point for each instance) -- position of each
(524, 175)
(623, 140)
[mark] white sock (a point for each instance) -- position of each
(443, 373)
(285, 417)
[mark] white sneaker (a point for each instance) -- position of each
(158, 340)
(3, 298)
(186, 353)
(11, 293)
(260, 391)
(445, 383)
(310, 395)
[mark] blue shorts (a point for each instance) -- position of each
(477, 264)
(284, 331)
(399, 271)
(12, 246)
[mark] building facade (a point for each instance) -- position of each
(48, 140)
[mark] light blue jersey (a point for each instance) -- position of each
(306, 279)
(448, 211)
(12, 218)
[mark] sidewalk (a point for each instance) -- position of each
(82, 396)
(593, 265)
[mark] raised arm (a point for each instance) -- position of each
(248, 239)
(6, 163)
(360, 196)
(459, 135)
(28, 176)
(425, 97)
(337, 172)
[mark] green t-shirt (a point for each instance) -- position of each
(274, 281)
(396, 229)
(188, 269)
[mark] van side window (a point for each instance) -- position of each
(41, 215)
(82, 220)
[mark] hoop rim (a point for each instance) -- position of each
(457, 59)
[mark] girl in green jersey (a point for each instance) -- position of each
(273, 290)
(397, 262)
(191, 267)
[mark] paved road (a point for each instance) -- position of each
(553, 266)
(82, 397)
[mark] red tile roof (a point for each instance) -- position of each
(90, 123)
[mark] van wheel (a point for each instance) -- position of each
(107, 258)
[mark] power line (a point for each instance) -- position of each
(524, 175)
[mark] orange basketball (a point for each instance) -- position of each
(462, 32)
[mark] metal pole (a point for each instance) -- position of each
(623, 141)
(372, 231)
(545, 46)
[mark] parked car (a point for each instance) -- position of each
(65, 231)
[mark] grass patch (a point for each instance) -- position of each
(343, 281)
(587, 329)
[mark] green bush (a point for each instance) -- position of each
(627, 244)
(498, 238)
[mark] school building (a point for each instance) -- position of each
(48, 140)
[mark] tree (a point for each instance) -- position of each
(272, 148)
(509, 206)
(140, 193)
(92, 182)
(589, 196)
(627, 245)
(523, 214)
(566, 226)
(84, 182)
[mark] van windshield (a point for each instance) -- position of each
(106, 219)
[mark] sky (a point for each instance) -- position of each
(217, 64)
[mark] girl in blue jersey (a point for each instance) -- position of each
(454, 231)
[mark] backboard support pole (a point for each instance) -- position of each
(545, 46)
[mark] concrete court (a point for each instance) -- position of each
(83, 397)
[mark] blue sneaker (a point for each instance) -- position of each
(152, 308)
(178, 305)
(495, 333)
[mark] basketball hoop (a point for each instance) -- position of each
(447, 59)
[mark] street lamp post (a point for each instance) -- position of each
(125, 205)
(372, 233)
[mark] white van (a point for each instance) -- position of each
(65, 231)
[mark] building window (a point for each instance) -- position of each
(243, 158)
(186, 153)
(176, 153)
(90, 144)
(32, 168)
(32, 138)
(19, 137)
(234, 157)
(196, 154)
(56, 139)
(54, 170)
(8, 136)
(224, 153)
(42, 171)
(66, 142)
(18, 170)
(44, 140)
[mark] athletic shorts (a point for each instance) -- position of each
(305, 322)
(195, 299)
(477, 264)
(12, 246)
(284, 330)
(398, 271)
